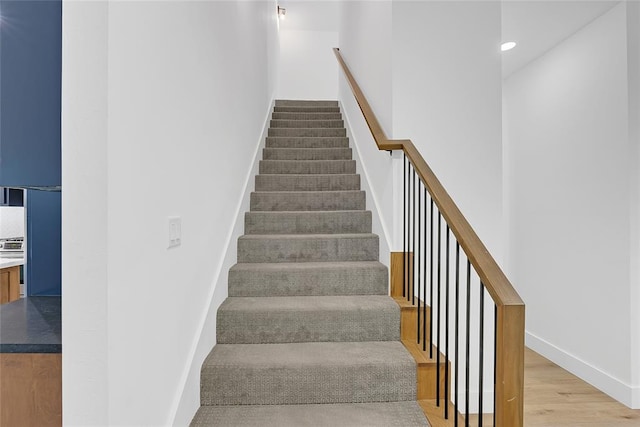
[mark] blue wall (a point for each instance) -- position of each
(30, 105)
(30, 92)
(44, 242)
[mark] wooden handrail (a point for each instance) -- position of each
(509, 389)
(490, 273)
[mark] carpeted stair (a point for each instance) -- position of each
(308, 335)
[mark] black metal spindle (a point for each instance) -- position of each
(404, 225)
(466, 400)
(439, 311)
(417, 255)
(431, 288)
(495, 352)
(481, 361)
(456, 332)
(409, 250)
(424, 280)
(446, 329)
(413, 238)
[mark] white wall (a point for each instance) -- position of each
(164, 122)
(568, 184)
(308, 67)
(447, 100)
(365, 45)
(633, 74)
(308, 34)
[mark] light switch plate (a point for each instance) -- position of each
(175, 231)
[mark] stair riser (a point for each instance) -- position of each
(308, 201)
(307, 124)
(308, 249)
(306, 154)
(307, 182)
(306, 109)
(377, 322)
(307, 222)
(301, 385)
(313, 282)
(305, 103)
(313, 132)
(379, 414)
(307, 116)
(307, 167)
(307, 142)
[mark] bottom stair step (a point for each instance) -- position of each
(307, 373)
(382, 414)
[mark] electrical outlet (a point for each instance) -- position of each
(175, 231)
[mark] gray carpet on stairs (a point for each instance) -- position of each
(379, 414)
(308, 278)
(308, 335)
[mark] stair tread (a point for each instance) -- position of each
(308, 319)
(299, 154)
(309, 372)
(307, 161)
(320, 192)
(311, 303)
(308, 236)
(307, 200)
(307, 167)
(308, 265)
(379, 414)
(309, 213)
(307, 182)
(309, 278)
(292, 355)
(307, 222)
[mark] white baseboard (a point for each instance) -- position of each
(187, 398)
(624, 393)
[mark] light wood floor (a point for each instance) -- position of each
(554, 397)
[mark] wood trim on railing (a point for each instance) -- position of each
(509, 356)
(490, 273)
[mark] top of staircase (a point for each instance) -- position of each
(305, 103)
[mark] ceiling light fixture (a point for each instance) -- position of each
(282, 12)
(507, 46)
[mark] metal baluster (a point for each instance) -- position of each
(424, 280)
(404, 225)
(466, 400)
(413, 237)
(456, 333)
(481, 362)
(495, 352)
(446, 333)
(417, 254)
(439, 311)
(431, 289)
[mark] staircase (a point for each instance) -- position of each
(308, 335)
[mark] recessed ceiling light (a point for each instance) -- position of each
(507, 46)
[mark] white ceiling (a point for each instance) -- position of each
(538, 26)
